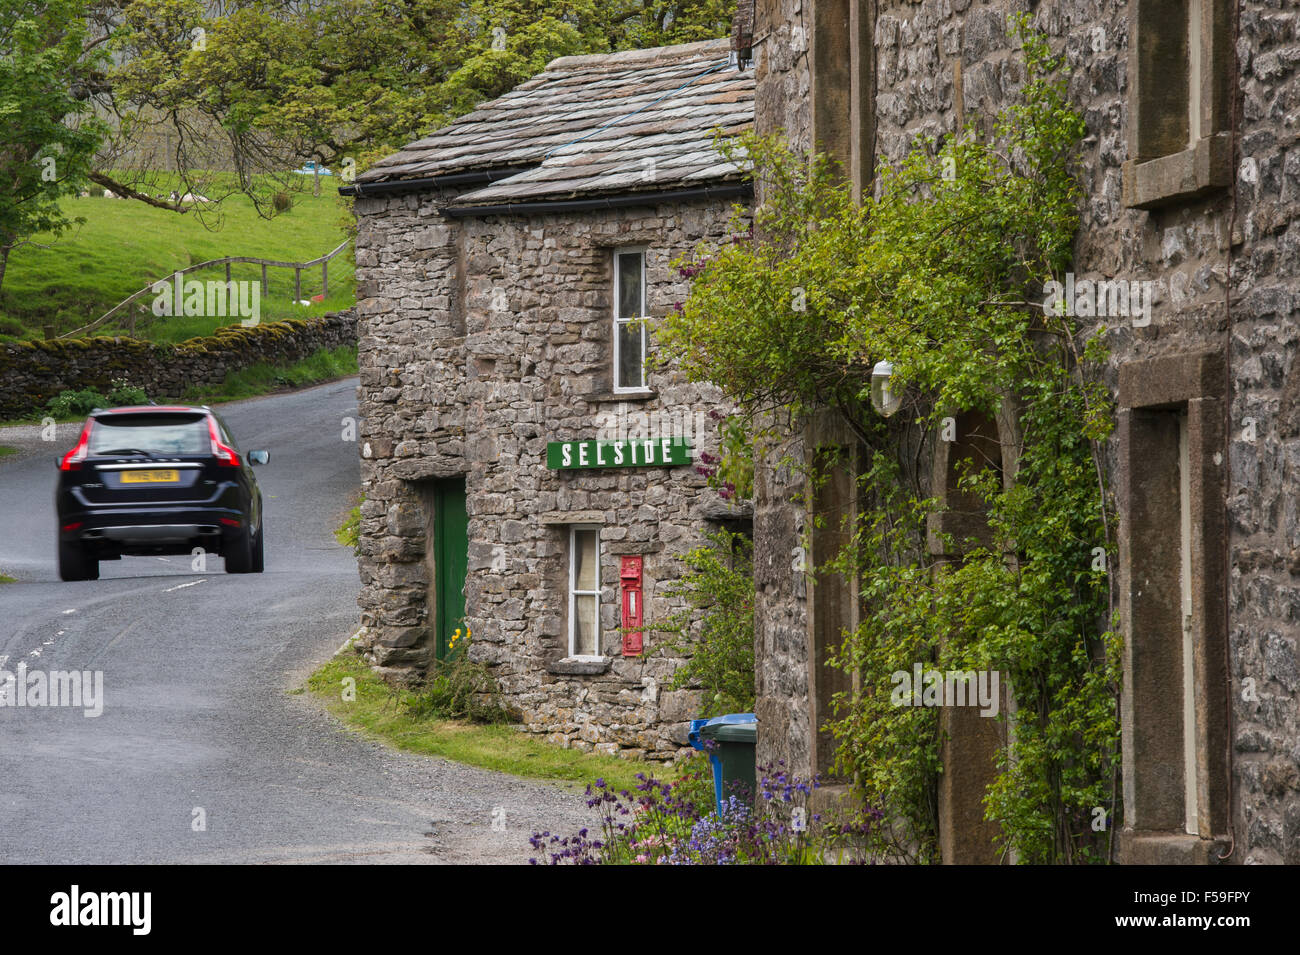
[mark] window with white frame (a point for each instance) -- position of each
(629, 327)
(584, 591)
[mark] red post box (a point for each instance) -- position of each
(630, 579)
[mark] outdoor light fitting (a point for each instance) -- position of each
(883, 398)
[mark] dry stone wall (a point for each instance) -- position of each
(33, 372)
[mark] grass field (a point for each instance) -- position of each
(125, 245)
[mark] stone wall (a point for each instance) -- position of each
(1221, 276)
(33, 372)
(482, 340)
(782, 104)
(1264, 449)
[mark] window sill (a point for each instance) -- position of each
(1148, 847)
(646, 395)
(1190, 174)
(580, 666)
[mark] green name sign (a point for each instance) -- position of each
(633, 453)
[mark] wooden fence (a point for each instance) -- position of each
(323, 262)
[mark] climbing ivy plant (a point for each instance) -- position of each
(941, 272)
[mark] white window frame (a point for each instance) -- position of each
(574, 592)
(618, 296)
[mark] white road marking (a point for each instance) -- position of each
(73, 610)
(192, 583)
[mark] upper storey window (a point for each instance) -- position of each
(1179, 127)
(629, 320)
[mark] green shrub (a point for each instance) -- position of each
(349, 532)
(77, 404)
(721, 658)
(457, 688)
(940, 270)
(125, 393)
(81, 402)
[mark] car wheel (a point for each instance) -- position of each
(75, 563)
(259, 562)
(238, 553)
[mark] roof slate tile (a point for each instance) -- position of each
(637, 121)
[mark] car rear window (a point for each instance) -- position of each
(161, 434)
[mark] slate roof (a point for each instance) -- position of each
(638, 121)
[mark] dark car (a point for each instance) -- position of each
(157, 480)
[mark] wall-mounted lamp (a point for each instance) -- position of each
(883, 398)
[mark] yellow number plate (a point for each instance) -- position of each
(150, 477)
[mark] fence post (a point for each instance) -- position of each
(264, 288)
(325, 279)
(297, 285)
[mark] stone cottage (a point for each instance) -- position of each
(528, 468)
(1192, 168)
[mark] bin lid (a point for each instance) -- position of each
(694, 735)
(731, 728)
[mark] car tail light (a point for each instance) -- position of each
(72, 460)
(74, 526)
(230, 521)
(226, 456)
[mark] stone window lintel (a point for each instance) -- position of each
(572, 517)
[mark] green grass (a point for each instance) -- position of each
(379, 712)
(4, 579)
(348, 533)
(5, 449)
(125, 245)
(324, 365)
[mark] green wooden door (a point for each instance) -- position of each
(451, 560)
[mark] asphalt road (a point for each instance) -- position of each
(199, 721)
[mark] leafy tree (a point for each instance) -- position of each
(46, 139)
(716, 630)
(265, 83)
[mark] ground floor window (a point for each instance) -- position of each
(584, 591)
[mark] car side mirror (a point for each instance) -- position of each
(259, 457)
